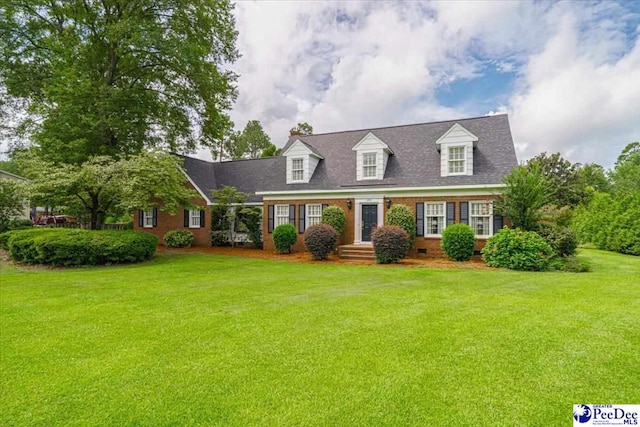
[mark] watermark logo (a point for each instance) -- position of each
(587, 415)
(581, 413)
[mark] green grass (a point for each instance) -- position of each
(203, 339)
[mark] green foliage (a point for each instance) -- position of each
(178, 239)
(592, 177)
(74, 247)
(11, 201)
(403, 217)
(284, 236)
(335, 217)
(571, 264)
(561, 176)
(229, 204)
(562, 240)
(104, 184)
(610, 223)
(626, 173)
(111, 78)
(526, 192)
(220, 238)
(271, 151)
(320, 240)
(458, 242)
(254, 139)
(390, 243)
(303, 128)
(517, 250)
(251, 217)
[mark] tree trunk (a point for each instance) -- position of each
(95, 214)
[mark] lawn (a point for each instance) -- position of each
(201, 339)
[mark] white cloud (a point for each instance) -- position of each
(347, 65)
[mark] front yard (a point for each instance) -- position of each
(198, 339)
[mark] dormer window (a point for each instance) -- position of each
(369, 165)
(297, 169)
(457, 160)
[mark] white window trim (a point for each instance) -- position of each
(194, 215)
(490, 215)
(463, 160)
(276, 216)
(301, 170)
(374, 165)
(147, 214)
(307, 223)
(444, 218)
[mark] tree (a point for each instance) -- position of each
(255, 139)
(110, 78)
(626, 173)
(11, 201)
(231, 146)
(561, 176)
(229, 202)
(104, 185)
(526, 192)
(271, 151)
(303, 128)
(592, 177)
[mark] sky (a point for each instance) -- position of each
(567, 73)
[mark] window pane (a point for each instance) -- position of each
(369, 159)
(314, 215)
(194, 218)
(297, 169)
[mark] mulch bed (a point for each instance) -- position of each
(305, 257)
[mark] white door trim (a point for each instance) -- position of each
(357, 227)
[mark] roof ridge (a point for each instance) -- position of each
(405, 125)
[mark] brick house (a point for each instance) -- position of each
(446, 172)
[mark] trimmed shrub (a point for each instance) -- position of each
(458, 242)
(562, 240)
(18, 224)
(178, 239)
(320, 240)
(403, 217)
(335, 217)
(220, 238)
(571, 264)
(517, 250)
(72, 247)
(390, 243)
(284, 236)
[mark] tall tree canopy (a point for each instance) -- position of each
(562, 177)
(303, 128)
(626, 173)
(255, 139)
(112, 77)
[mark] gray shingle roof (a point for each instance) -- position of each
(415, 162)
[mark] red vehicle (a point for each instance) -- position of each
(53, 219)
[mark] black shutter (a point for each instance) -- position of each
(140, 218)
(202, 218)
(270, 219)
(186, 217)
(324, 206)
(464, 212)
(155, 217)
(419, 219)
(451, 213)
(301, 218)
(498, 222)
(292, 214)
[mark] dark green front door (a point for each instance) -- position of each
(369, 221)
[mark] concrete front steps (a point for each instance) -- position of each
(357, 253)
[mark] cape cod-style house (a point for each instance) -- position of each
(446, 172)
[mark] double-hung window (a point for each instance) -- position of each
(457, 160)
(282, 215)
(434, 218)
(194, 218)
(369, 165)
(314, 214)
(297, 169)
(148, 218)
(480, 218)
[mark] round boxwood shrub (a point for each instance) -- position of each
(284, 236)
(335, 217)
(320, 240)
(518, 250)
(72, 247)
(562, 240)
(403, 217)
(178, 239)
(390, 243)
(458, 242)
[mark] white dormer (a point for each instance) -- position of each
(372, 155)
(301, 162)
(456, 151)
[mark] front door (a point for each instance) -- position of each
(369, 221)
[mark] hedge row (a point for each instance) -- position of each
(72, 247)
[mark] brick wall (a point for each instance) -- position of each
(167, 222)
(431, 244)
